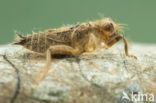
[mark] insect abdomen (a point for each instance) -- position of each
(35, 42)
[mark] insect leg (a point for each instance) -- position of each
(126, 48)
(58, 49)
(117, 38)
(113, 40)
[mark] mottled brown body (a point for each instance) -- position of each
(39, 42)
(75, 40)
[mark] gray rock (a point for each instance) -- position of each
(105, 76)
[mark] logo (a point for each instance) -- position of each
(125, 96)
(137, 97)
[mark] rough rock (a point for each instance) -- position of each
(105, 76)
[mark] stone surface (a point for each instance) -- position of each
(104, 76)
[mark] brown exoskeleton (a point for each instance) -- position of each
(74, 40)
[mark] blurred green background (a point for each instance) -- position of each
(26, 16)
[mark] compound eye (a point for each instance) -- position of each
(109, 27)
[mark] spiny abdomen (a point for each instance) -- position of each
(35, 42)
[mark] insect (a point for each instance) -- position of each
(74, 40)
